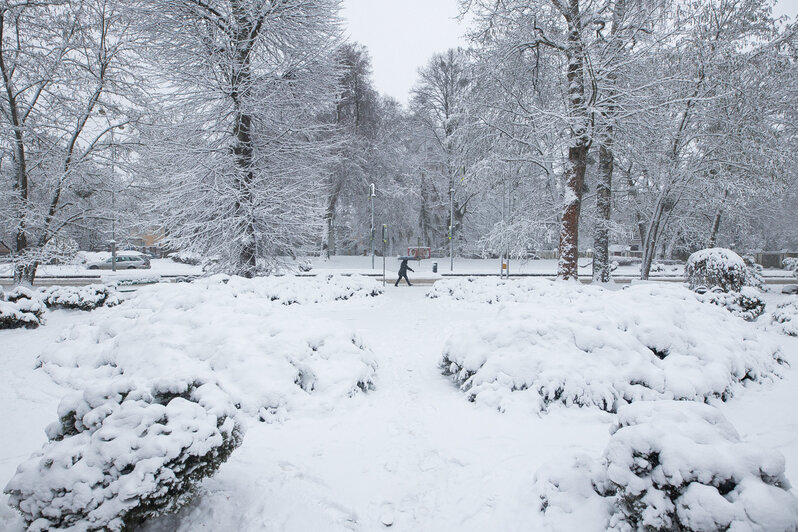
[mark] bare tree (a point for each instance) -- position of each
(241, 147)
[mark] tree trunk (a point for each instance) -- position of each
(243, 149)
(713, 232)
(577, 152)
(601, 240)
(328, 231)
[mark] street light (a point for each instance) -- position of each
(372, 223)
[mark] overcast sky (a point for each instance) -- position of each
(401, 35)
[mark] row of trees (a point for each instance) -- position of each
(248, 130)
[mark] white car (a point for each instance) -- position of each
(123, 262)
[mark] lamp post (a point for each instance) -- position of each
(113, 187)
(451, 224)
(371, 197)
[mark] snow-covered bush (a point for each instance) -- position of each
(753, 275)
(602, 348)
(671, 465)
(20, 308)
(289, 289)
(786, 317)
(716, 267)
(120, 455)
(746, 304)
(791, 264)
(267, 360)
(80, 297)
(186, 257)
(494, 290)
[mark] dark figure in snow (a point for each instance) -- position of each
(403, 272)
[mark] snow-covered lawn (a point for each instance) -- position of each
(349, 422)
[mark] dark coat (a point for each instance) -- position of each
(404, 267)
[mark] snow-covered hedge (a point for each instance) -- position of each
(80, 297)
(121, 454)
(19, 308)
(268, 360)
(791, 263)
(289, 289)
(494, 290)
(746, 304)
(713, 267)
(785, 317)
(670, 466)
(604, 349)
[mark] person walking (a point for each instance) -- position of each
(403, 272)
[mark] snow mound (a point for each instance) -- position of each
(719, 267)
(746, 304)
(80, 297)
(19, 308)
(785, 317)
(120, 455)
(290, 289)
(269, 361)
(494, 290)
(671, 465)
(605, 349)
(791, 264)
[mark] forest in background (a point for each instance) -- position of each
(248, 130)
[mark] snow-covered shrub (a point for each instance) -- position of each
(494, 290)
(602, 348)
(80, 297)
(671, 465)
(186, 257)
(786, 317)
(21, 308)
(270, 362)
(753, 275)
(289, 289)
(121, 455)
(746, 304)
(716, 267)
(791, 264)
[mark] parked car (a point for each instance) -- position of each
(123, 262)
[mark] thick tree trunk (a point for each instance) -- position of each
(601, 240)
(243, 149)
(577, 152)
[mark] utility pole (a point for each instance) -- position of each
(451, 223)
(372, 225)
(384, 240)
(113, 202)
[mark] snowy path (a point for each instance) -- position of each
(413, 454)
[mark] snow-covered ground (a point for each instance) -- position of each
(412, 452)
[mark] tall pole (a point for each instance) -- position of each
(384, 240)
(372, 226)
(451, 224)
(113, 203)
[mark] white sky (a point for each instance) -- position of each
(401, 35)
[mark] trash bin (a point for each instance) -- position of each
(434, 267)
